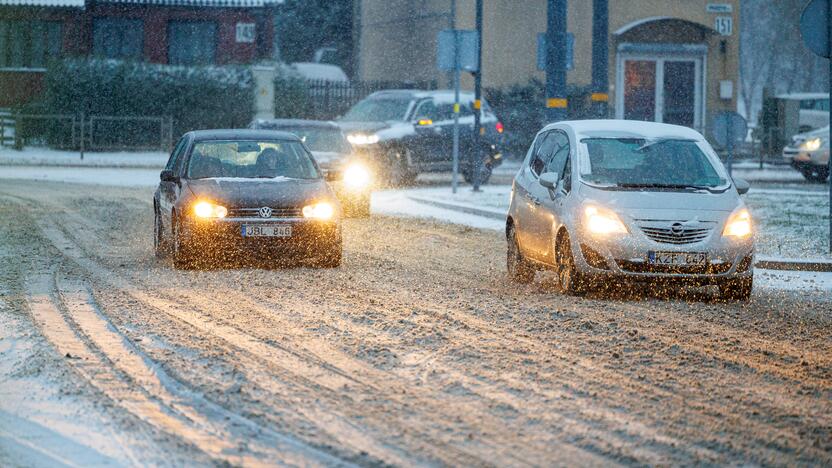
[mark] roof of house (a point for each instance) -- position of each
(194, 3)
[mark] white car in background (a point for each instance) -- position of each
(600, 201)
(809, 153)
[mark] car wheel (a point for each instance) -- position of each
(570, 279)
(519, 269)
(816, 175)
(398, 173)
(332, 257)
(160, 244)
(181, 256)
(737, 289)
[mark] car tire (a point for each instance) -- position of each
(161, 246)
(332, 257)
(571, 280)
(816, 175)
(518, 268)
(182, 258)
(737, 289)
(485, 175)
(398, 174)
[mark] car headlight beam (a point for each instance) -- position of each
(322, 211)
(813, 144)
(204, 209)
(356, 176)
(603, 222)
(738, 225)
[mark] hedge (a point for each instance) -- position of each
(194, 97)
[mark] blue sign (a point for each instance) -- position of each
(814, 27)
(541, 51)
(466, 41)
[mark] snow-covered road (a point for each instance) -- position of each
(417, 351)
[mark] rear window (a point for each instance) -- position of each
(378, 109)
(251, 159)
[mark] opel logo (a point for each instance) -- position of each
(265, 212)
(677, 229)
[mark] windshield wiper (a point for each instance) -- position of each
(668, 186)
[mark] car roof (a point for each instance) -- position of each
(295, 123)
(439, 94)
(240, 134)
(615, 128)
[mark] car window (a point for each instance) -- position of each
(445, 111)
(543, 153)
(321, 139)
(426, 110)
(176, 154)
(251, 159)
(561, 154)
(378, 109)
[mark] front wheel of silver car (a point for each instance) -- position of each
(570, 279)
(519, 270)
(737, 289)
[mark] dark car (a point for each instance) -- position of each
(250, 192)
(405, 132)
(349, 175)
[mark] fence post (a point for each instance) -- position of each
(82, 136)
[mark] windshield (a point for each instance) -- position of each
(322, 139)
(378, 110)
(251, 159)
(652, 163)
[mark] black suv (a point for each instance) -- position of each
(406, 132)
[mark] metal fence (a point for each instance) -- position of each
(327, 100)
(93, 132)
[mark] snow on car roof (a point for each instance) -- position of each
(612, 128)
(442, 96)
(320, 71)
(238, 134)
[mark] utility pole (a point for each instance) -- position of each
(556, 101)
(600, 58)
(478, 130)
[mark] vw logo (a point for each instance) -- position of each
(265, 212)
(677, 229)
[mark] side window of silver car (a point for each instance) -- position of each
(543, 153)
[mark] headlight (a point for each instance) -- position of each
(361, 139)
(738, 225)
(813, 144)
(356, 176)
(206, 209)
(321, 210)
(603, 222)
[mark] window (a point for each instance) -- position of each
(118, 38)
(251, 160)
(561, 154)
(378, 109)
(176, 156)
(192, 42)
(426, 110)
(547, 147)
(29, 44)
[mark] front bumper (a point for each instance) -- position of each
(309, 237)
(802, 159)
(628, 257)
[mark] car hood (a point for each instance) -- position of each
(362, 127)
(252, 193)
(675, 206)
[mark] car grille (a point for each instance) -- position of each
(687, 235)
(255, 213)
(643, 267)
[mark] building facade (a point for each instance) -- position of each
(674, 61)
(176, 32)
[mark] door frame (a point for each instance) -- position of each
(661, 53)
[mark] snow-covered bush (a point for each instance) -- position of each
(194, 97)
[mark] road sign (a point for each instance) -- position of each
(728, 130)
(541, 51)
(814, 27)
(724, 25)
(468, 46)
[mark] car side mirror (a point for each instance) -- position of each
(168, 176)
(549, 180)
(742, 186)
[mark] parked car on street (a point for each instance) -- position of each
(349, 174)
(601, 201)
(247, 192)
(809, 153)
(406, 132)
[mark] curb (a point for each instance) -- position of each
(821, 266)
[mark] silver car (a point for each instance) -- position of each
(599, 200)
(809, 153)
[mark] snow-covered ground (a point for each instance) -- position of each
(49, 157)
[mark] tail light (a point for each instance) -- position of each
(499, 127)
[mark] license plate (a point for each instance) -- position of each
(677, 258)
(266, 230)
